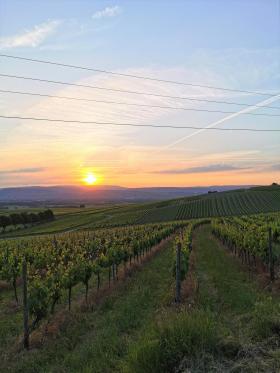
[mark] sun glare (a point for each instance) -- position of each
(90, 179)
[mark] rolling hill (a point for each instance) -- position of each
(238, 202)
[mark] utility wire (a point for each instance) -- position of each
(138, 125)
(133, 104)
(130, 92)
(133, 76)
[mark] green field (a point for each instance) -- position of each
(231, 203)
(68, 219)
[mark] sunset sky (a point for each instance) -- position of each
(232, 44)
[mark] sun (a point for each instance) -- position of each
(90, 179)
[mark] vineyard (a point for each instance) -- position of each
(55, 265)
(42, 276)
(252, 238)
(241, 202)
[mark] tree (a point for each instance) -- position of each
(34, 218)
(16, 219)
(5, 221)
(25, 218)
(49, 214)
(42, 216)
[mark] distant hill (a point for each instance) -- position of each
(66, 194)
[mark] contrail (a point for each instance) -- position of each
(228, 117)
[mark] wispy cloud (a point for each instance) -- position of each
(201, 169)
(107, 12)
(30, 38)
(30, 170)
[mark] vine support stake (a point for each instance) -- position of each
(178, 273)
(271, 261)
(25, 306)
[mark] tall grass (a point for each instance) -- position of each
(176, 337)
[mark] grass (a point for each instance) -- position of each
(178, 336)
(224, 285)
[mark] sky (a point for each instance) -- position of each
(232, 44)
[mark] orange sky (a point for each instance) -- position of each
(222, 76)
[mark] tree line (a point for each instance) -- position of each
(25, 218)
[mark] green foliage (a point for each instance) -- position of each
(184, 239)
(38, 299)
(249, 234)
(56, 264)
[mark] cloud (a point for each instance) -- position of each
(201, 169)
(30, 38)
(112, 11)
(30, 170)
(101, 112)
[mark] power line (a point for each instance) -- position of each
(137, 125)
(132, 104)
(133, 76)
(130, 92)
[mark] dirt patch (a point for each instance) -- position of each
(13, 307)
(189, 286)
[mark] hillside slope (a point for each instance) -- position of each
(238, 202)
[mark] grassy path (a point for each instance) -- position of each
(248, 317)
(98, 341)
(224, 286)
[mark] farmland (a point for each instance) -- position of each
(97, 280)
(139, 186)
(231, 203)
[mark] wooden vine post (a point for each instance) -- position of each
(25, 306)
(178, 273)
(270, 254)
